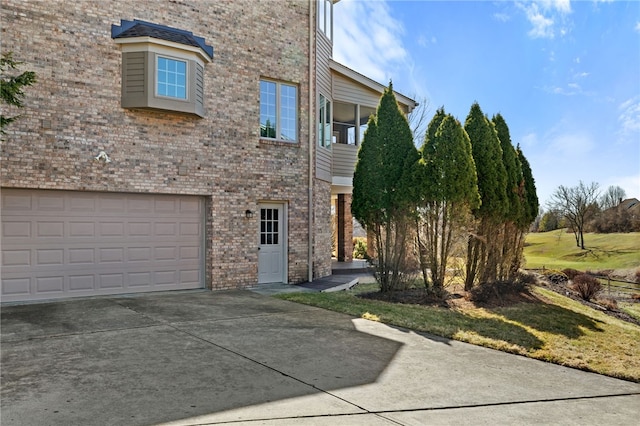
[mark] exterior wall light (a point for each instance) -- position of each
(248, 214)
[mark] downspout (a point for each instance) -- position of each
(311, 142)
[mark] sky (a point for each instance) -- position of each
(565, 75)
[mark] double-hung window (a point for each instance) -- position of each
(324, 122)
(278, 111)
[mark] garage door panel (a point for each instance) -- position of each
(81, 282)
(99, 244)
(50, 284)
(49, 257)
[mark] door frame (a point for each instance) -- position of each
(284, 235)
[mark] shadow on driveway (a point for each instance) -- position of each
(163, 357)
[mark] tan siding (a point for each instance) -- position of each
(323, 73)
(323, 81)
(344, 159)
(346, 90)
(323, 164)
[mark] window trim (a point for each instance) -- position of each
(325, 13)
(187, 81)
(279, 116)
(325, 137)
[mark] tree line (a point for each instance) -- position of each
(467, 194)
(583, 208)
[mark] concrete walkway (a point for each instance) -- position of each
(238, 357)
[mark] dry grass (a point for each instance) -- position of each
(552, 328)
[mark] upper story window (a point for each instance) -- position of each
(162, 67)
(324, 122)
(278, 111)
(171, 80)
(325, 17)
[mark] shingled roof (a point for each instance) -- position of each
(137, 28)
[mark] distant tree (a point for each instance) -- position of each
(419, 120)
(612, 197)
(383, 188)
(449, 191)
(577, 205)
(483, 249)
(550, 221)
(11, 86)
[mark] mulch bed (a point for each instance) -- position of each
(460, 299)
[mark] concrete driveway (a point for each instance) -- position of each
(240, 357)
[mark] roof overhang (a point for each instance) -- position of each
(370, 84)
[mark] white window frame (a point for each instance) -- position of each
(325, 122)
(279, 109)
(325, 18)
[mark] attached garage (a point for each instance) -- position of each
(59, 244)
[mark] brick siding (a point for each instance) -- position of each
(74, 112)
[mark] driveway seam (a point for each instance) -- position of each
(266, 366)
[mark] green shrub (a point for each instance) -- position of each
(359, 248)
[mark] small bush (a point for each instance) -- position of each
(359, 248)
(608, 303)
(496, 291)
(638, 276)
(571, 273)
(556, 277)
(586, 286)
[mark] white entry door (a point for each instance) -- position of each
(273, 244)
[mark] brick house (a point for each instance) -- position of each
(176, 145)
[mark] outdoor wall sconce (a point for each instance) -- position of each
(248, 214)
(103, 156)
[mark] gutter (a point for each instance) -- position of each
(311, 143)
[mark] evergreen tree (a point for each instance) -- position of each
(510, 258)
(449, 191)
(531, 204)
(11, 86)
(383, 194)
(483, 248)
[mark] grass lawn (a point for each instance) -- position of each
(556, 329)
(557, 250)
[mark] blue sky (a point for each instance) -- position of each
(565, 75)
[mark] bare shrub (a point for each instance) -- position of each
(608, 303)
(586, 286)
(497, 291)
(571, 273)
(638, 276)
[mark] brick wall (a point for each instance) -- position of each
(73, 112)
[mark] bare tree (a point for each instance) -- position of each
(419, 120)
(612, 197)
(576, 205)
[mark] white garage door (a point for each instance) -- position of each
(66, 244)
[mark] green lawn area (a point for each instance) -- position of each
(557, 250)
(558, 330)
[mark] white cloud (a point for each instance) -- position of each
(502, 17)
(546, 17)
(630, 184)
(630, 116)
(637, 27)
(571, 145)
(368, 39)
